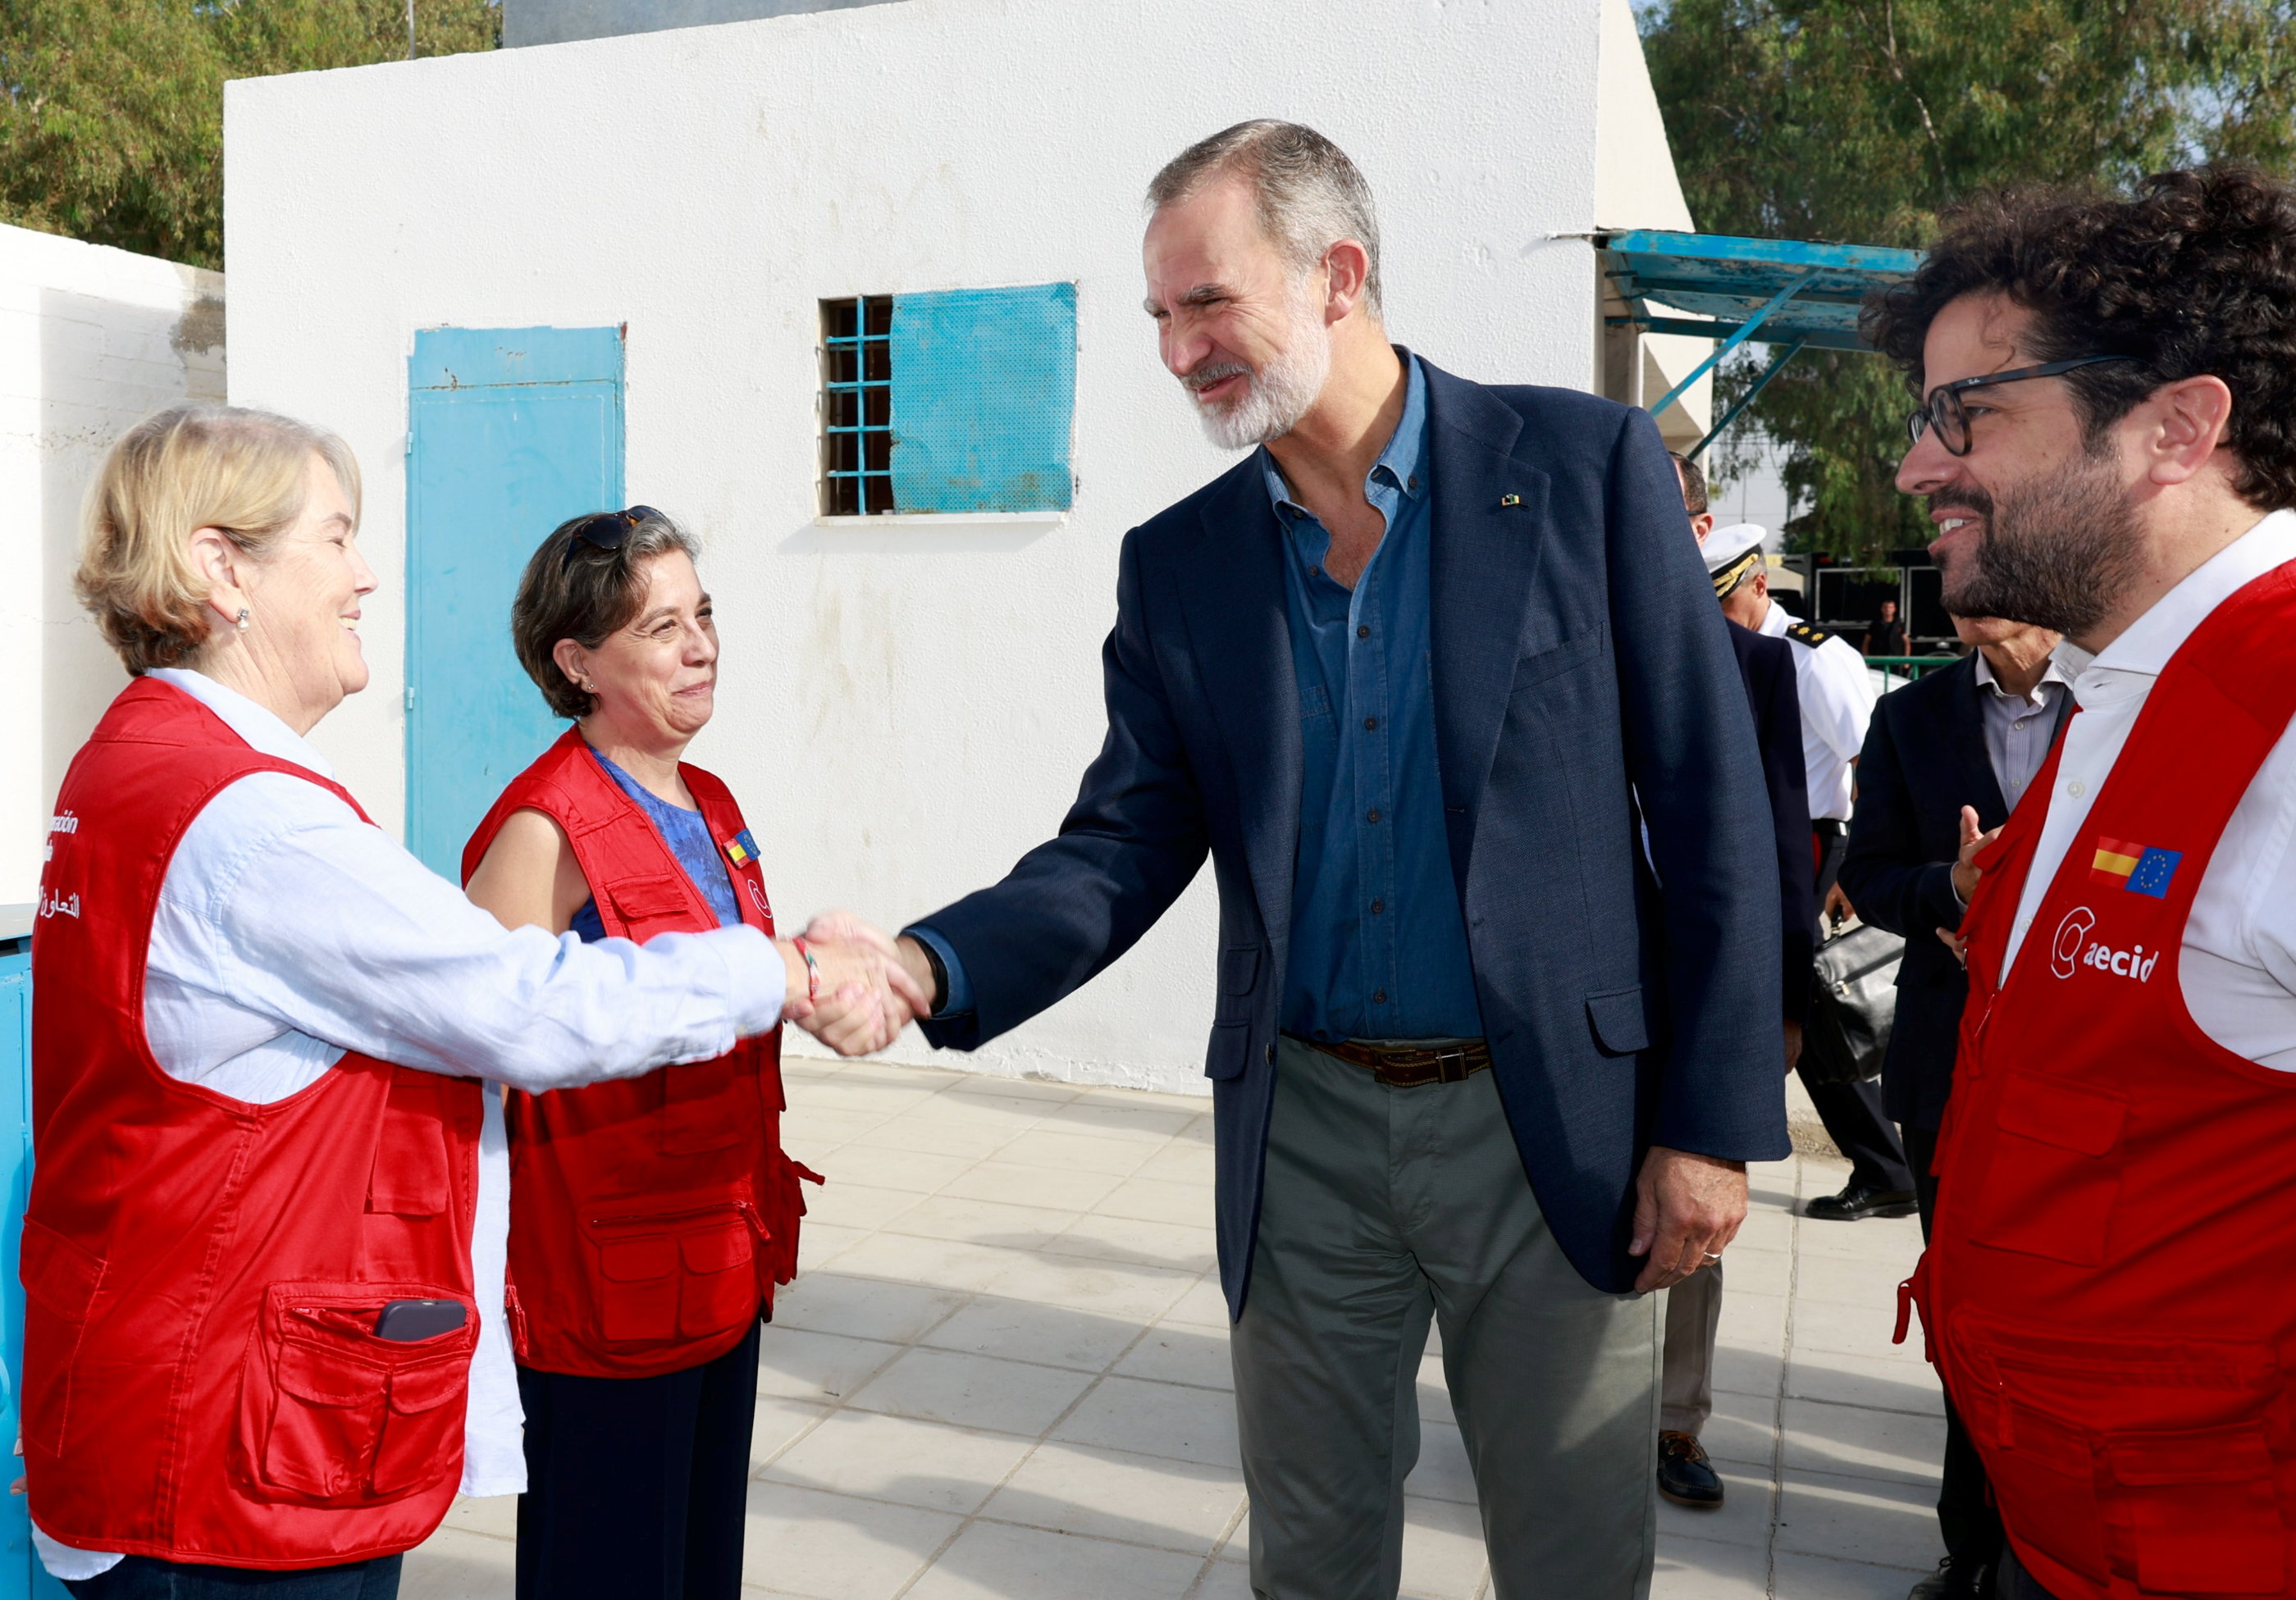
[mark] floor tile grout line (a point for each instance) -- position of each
(1212, 1561)
(1069, 1410)
(1778, 1402)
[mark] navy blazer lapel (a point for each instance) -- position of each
(1486, 525)
(1240, 623)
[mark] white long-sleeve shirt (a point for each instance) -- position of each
(2238, 964)
(289, 932)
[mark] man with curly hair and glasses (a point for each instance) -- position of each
(2106, 440)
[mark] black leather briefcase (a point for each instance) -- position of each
(1854, 1001)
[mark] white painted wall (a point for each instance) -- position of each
(91, 338)
(1635, 187)
(904, 708)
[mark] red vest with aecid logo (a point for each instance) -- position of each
(649, 1216)
(202, 1275)
(2108, 1295)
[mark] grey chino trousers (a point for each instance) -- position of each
(1693, 1317)
(1385, 1208)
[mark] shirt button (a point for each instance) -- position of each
(1413, 484)
(1373, 815)
(1370, 722)
(1377, 906)
(2021, 722)
(1314, 572)
(1379, 997)
(2075, 789)
(1364, 632)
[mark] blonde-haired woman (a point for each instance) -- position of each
(264, 1253)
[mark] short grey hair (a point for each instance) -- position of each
(1309, 194)
(573, 589)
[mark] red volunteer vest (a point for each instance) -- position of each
(649, 1216)
(2107, 1295)
(202, 1382)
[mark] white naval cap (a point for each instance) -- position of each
(1731, 552)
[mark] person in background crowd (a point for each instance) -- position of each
(2103, 438)
(1693, 1307)
(650, 1218)
(1946, 756)
(1887, 636)
(1837, 698)
(263, 1259)
(1403, 672)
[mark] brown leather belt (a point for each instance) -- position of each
(1408, 1069)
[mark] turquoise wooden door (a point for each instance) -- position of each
(511, 432)
(22, 1576)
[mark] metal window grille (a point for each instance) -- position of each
(950, 400)
(856, 392)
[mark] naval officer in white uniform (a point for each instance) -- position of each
(1837, 701)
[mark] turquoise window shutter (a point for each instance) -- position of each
(984, 399)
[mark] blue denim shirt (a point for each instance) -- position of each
(1379, 945)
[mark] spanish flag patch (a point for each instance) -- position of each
(2139, 869)
(741, 849)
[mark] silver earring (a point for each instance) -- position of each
(242, 619)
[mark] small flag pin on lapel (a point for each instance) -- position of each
(1510, 500)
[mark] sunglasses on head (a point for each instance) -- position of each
(608, 530)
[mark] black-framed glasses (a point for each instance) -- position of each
(1943, 410)
(608, 530)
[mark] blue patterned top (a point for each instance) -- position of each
(688, 838)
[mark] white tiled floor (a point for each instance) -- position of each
(1003, 1373)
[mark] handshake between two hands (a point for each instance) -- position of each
(862, 986)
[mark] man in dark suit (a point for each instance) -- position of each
(1416, 673)
(1946, 759)
(1693, 1307)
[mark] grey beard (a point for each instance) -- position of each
(1280, 392)
(2056, 552)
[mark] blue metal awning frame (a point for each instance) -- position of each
(1790, 293)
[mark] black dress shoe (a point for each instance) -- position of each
(1861, 1200)
(1953, 1582)
(1683, 1476)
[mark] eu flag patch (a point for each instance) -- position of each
(741, 849)
(2139, 869)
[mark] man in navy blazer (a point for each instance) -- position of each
(1946, 758)
(1421, 674)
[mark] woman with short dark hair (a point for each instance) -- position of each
(650, 1218)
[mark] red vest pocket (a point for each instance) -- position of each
(2056, 1173)
(331, 1415)
(642, 900)
(424, 1425)
(411, 1176)
(325, 1419)
(2044, 1475)
(2202, 1510)
(60, 1280)
(672, 1273)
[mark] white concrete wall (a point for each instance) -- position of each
(1636, 186)
(91, 338)
(904, 708)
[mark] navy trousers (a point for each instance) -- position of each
(143, 1578)
(637, 1489)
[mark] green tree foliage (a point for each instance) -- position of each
(111, 110)
(1860, 120)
